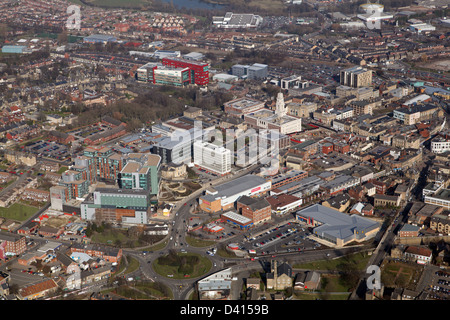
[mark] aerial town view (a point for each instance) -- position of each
(225, 150)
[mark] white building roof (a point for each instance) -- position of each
(237, 217)
(51, 245)
(80, 257)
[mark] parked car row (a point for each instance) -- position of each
(441, 290)
(444, 282)
(29, 271)
(437, 297)
(442, 274)
(49, 149)
(278, 236)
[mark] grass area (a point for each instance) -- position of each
(70, 38)
(62, 169)
(199, 243)
(153, 290)
(267, 4)
(331, 288)
(77, 2)
(319, 296)
(112, 237)
(121, 267)
(360, 259)
(224, 253)
(144, 291)
(191, 173)
(18, 212)
(182, 265)
(156, 247)
(133, 265)
(399, 274)
(332, 283)
(5, 185)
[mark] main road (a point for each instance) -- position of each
(383, 248)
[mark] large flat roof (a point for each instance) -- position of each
(122, 191)
(443, 194)
(103, 37)
(244, 102)
(238, 185)
(337, 224)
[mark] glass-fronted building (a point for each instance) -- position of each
(141, 172)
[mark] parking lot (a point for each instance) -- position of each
(48, 149)
(24, 275)
(287, 237)
(85, 132)
(270, 238)
(204, 174)
(271, 23)
(440, 286)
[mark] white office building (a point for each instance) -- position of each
(293, 82)
(440, 144)
(212, 157)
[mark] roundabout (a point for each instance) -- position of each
(181, 265)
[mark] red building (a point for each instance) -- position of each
(258, 210)
(289, 177)
(199, 71)
(60, 137)
(11, 244)
(341, 147)
(381, 187)
(28, 228)
(47, 231)
(106, 253)
(327, 148)
(367, 210)
(106, 135)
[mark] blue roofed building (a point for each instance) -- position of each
(337, 229)
(14, 49)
